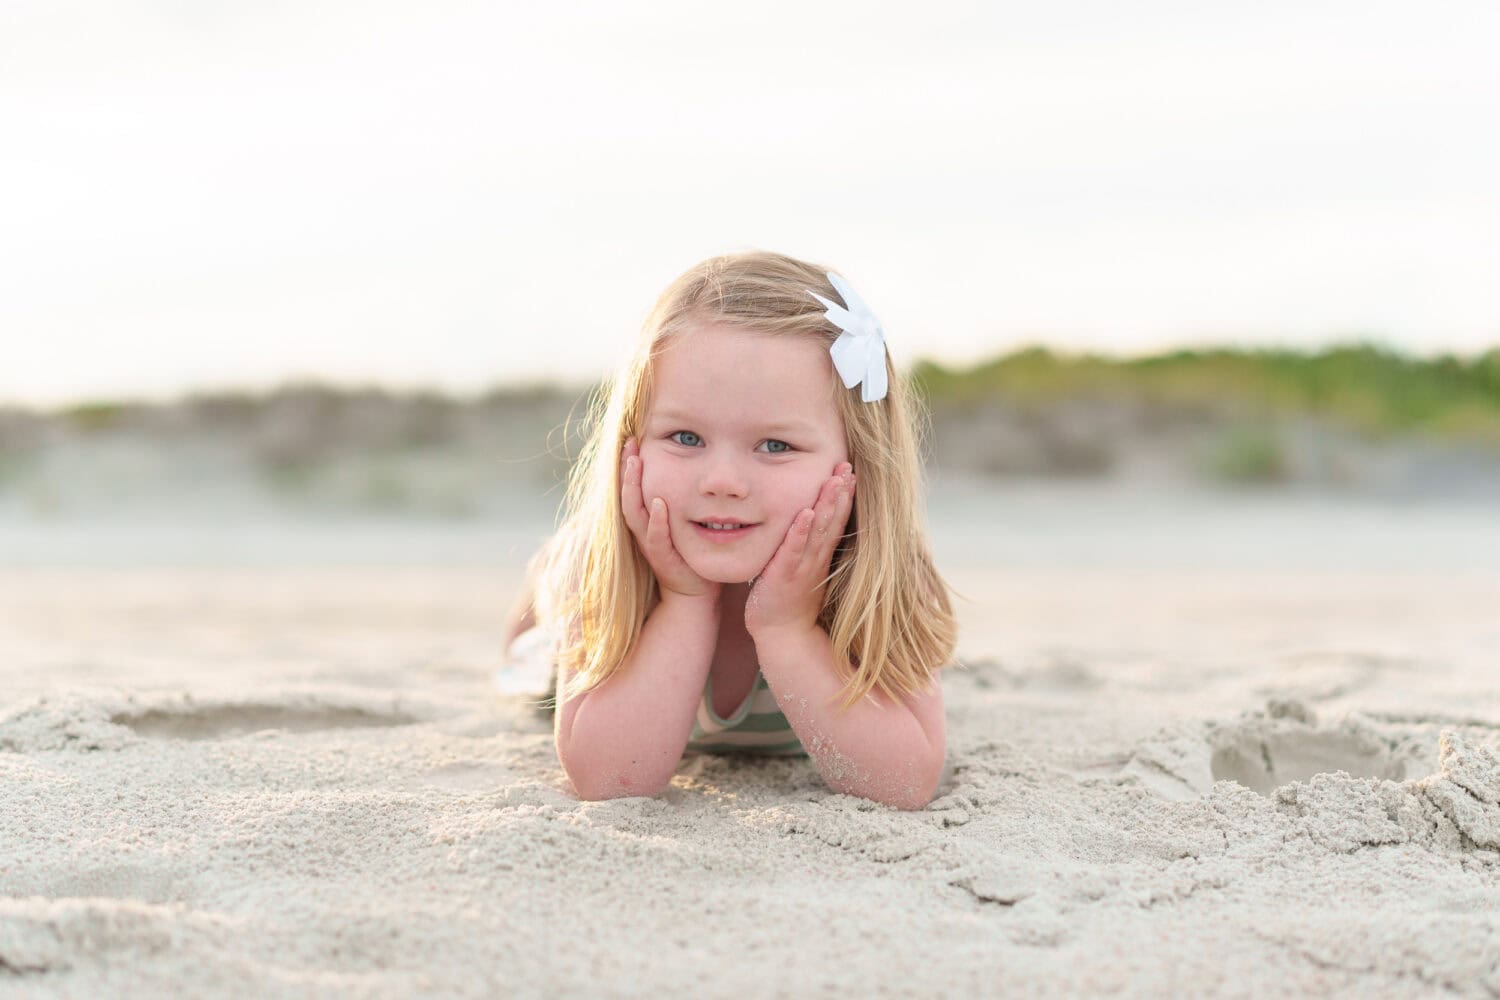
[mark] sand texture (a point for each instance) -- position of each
(296, 783)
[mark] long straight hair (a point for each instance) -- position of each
(885, 607)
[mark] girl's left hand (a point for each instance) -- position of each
(789, 591)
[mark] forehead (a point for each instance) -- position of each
(733, 373)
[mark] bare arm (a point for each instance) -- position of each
(880, 749)
(888, 750)
(626, 736)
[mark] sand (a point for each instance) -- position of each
(295, 782)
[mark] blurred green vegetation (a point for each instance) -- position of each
(1364, 386)
(1242, 416)
(1248, 455)
(96, 416)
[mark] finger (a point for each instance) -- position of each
(788, 557)
(660, 550)
(842, 509)
(658, 538)
(845, 512)
(631, 504)
(833, 516)
(825, 506)
(841, 505)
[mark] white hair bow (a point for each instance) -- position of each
(859, 353)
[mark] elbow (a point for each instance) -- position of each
(908, 788)
(929, 773)
(921, 801)
(596, 788)
(593, 782)
(919, 778)
(911, 799)
(907, 799)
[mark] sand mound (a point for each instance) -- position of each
(111, 720)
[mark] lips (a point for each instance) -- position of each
(723, 533)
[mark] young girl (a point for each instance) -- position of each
(741, 565)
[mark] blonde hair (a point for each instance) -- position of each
(885, 607)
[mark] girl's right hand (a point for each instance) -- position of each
(648, 523)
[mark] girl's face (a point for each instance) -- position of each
(742, 429)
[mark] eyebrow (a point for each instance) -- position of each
(794, 426)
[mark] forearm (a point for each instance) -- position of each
(876, 750)
(626, 736)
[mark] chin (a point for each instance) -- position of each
(725, 571)
(728, 576)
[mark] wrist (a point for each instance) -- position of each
(781, 633)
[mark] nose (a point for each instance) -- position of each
(723, 476)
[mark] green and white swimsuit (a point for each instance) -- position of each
(756, 727)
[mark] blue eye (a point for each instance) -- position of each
(772, 447)
(693, 443)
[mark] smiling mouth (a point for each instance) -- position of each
(723, 525)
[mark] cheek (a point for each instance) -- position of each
(797, 494)
(649, 486)
(656, 481)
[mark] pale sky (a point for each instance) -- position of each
(206, 194)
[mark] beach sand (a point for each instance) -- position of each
(1164, 779)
